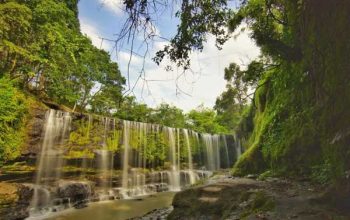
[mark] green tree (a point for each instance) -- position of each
(41, 45)
(13, 110)
(168, 115)
(204, 120)
(15, 34)
(130, 110)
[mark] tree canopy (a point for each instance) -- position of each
(41, 47)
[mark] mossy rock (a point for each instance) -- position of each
(251, 162)
(258, 202)
(215, 201)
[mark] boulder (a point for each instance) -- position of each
(14, 201)
(75, 191)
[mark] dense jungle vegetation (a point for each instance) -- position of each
(298, 121)
(45, 58)
(295, 123)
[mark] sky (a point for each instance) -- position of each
(200, 86)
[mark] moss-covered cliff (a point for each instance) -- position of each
(299, 122)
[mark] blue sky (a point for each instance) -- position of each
(104, 18)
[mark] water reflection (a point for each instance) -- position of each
(117, 210)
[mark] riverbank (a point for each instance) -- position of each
(219, 197)
(244, 198)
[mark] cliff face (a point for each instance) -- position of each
(299, 121)
(34, 129)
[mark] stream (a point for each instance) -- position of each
(116, 210)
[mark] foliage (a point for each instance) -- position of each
(299, 113)
(59, 63)
(13, 111)
(197, 18)
(90, 135)
(168, 115)
(205, 120)
(42, 49)
(298, 119)
(130, 110)
(201, 119)
(230, 104)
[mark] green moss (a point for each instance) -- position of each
(89, 136)
(260, 202)
(266, 174)
(17, 168)
(86, 153)
(292, 133)
(250, 162)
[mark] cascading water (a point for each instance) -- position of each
(216, 149)
(195, 135)
(228, 163)
(153, 158)
(238, 147)
(126, 135)
(84, 162)
(174, 173)
(192, 177)
(106, 158)
(211, 143)
(56, 130)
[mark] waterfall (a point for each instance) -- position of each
(189, 155)
(151, 158)
(228, 163)
(56, 130)
(174, 173)
(211, 143)
(125, 177)
(238, 147)
(106, 158)
(216, 150)
(196, 137)
(84, 159)
(134, 163)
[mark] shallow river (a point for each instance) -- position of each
(117, 210)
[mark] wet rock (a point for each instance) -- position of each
(35, 130)
(14, 201)
(161, 187)
(213, 200)
(80, 204)
(57, 202)
(157, 214)
(95, 199)
(75, 191)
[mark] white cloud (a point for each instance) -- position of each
(124, 57)
(114, 6)
(206, 82)
(91, 30)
